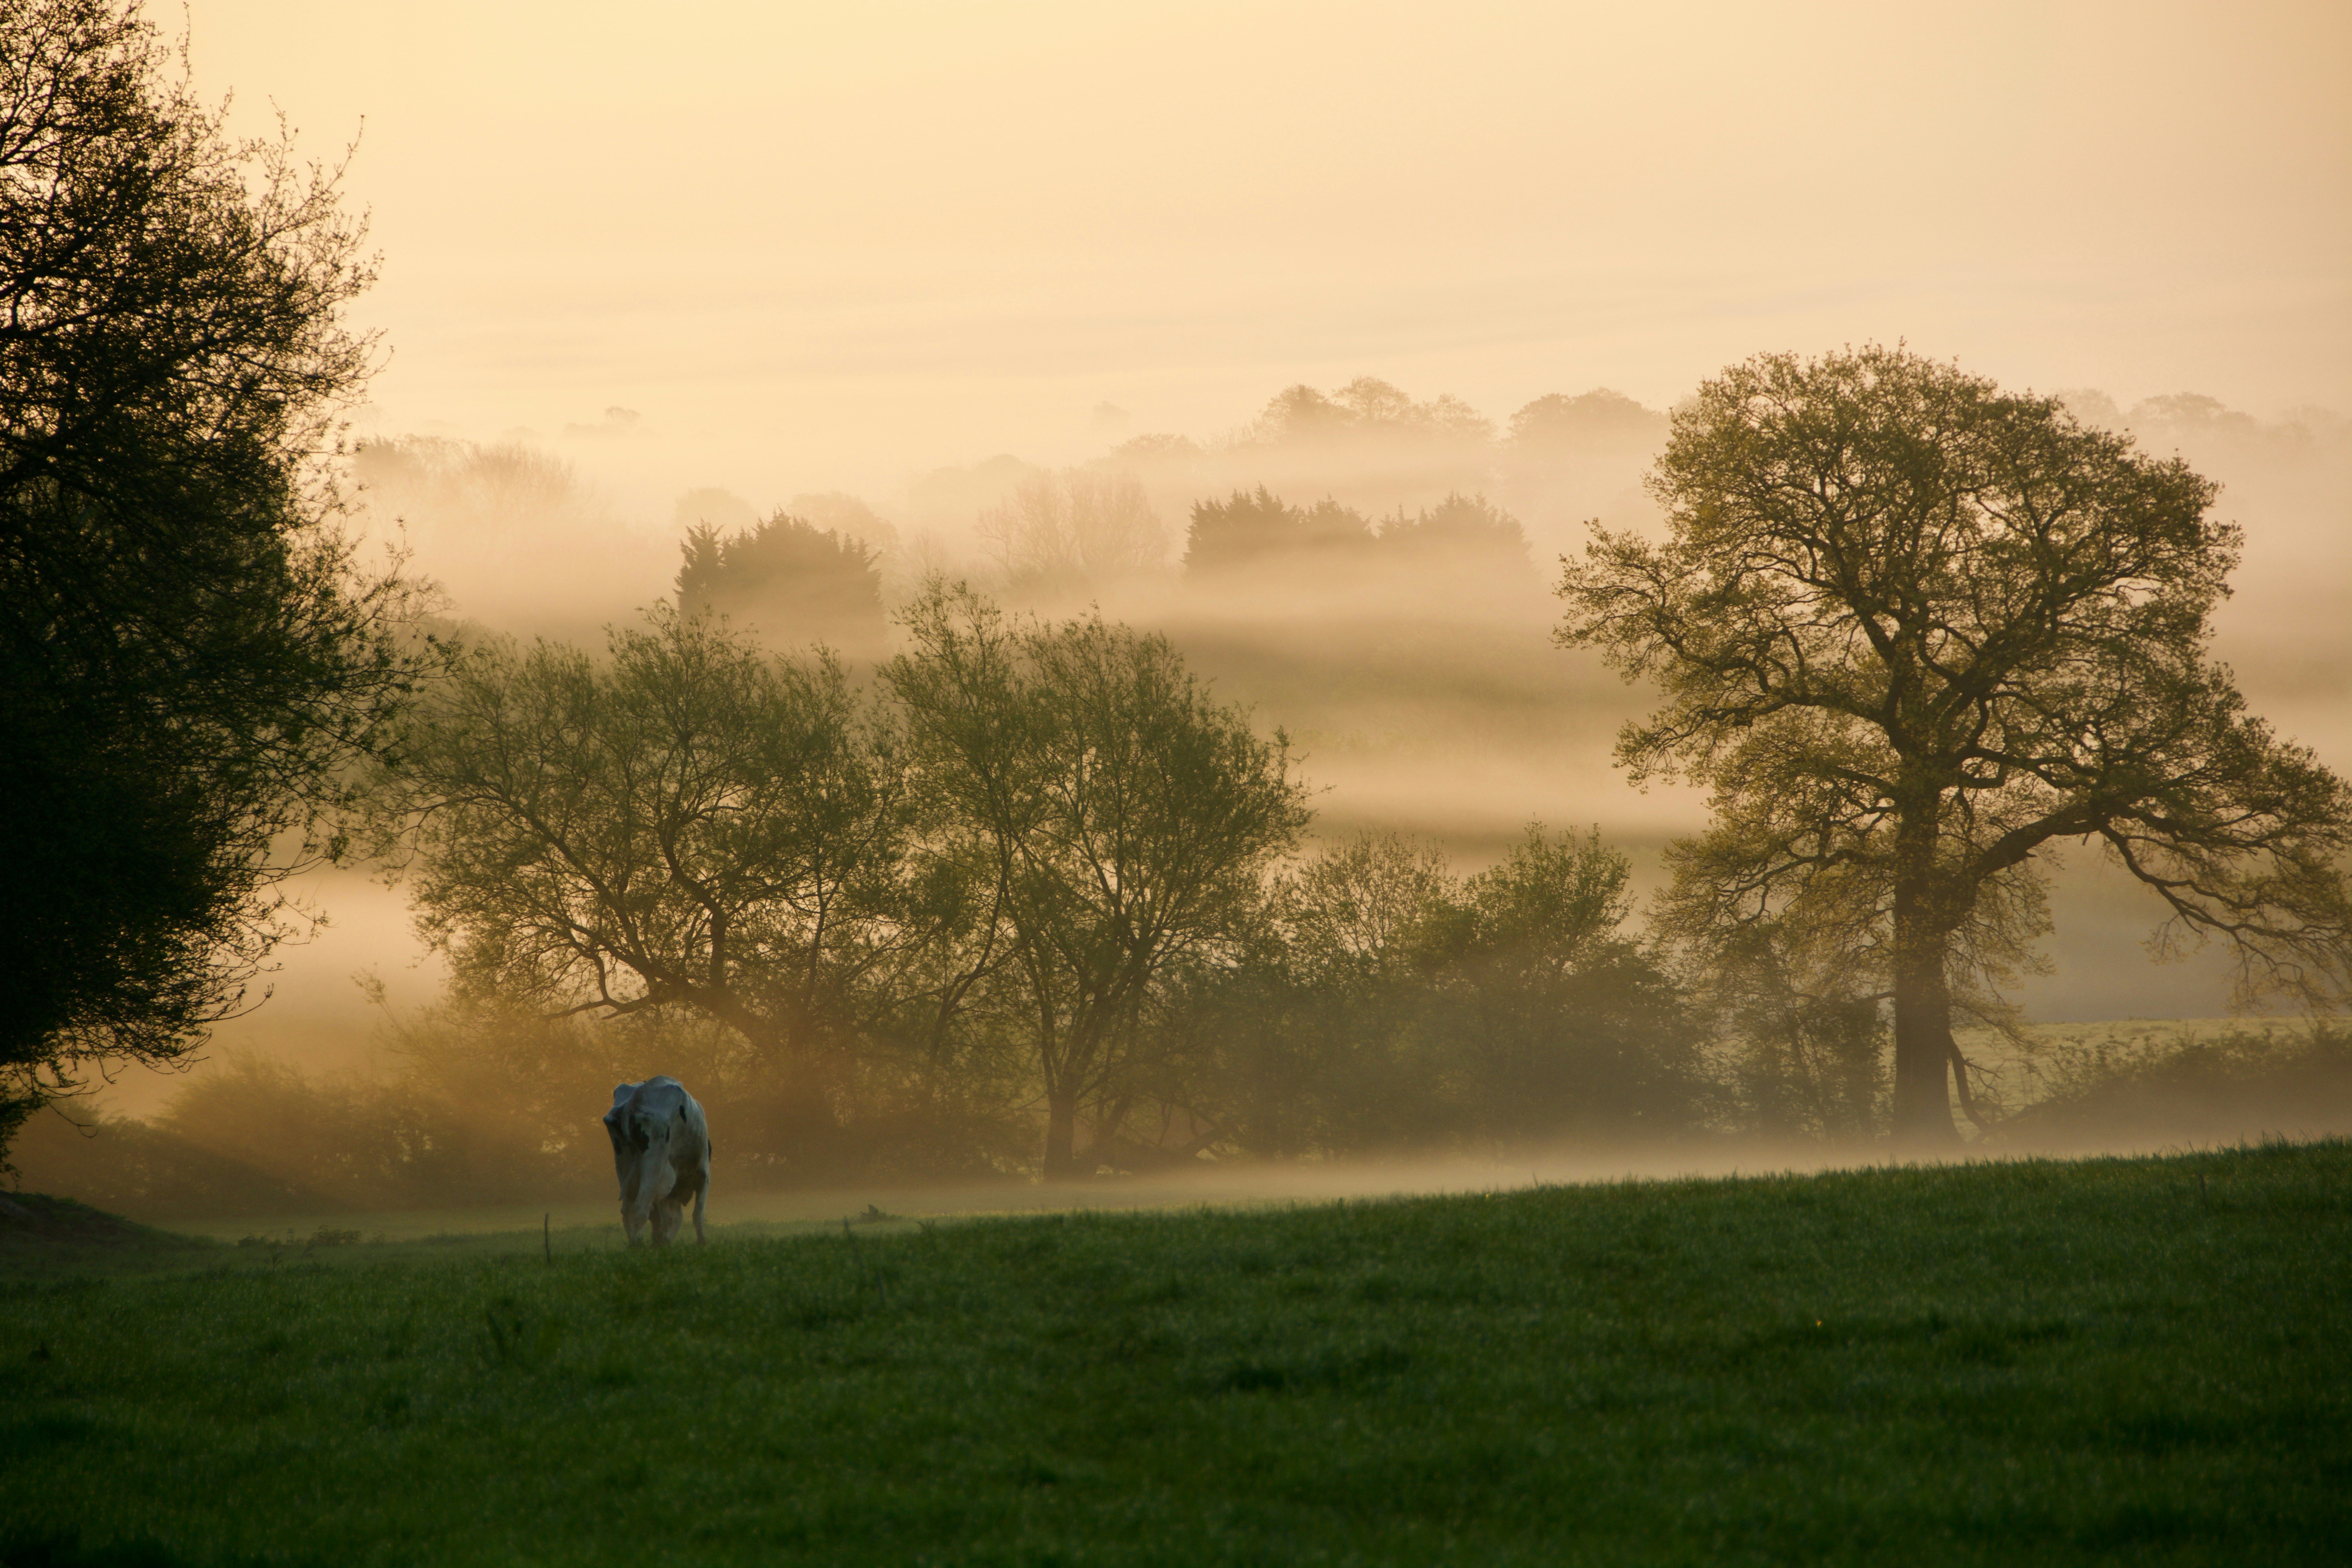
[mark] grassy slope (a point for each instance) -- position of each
(44, 1236)
(2140, 1361)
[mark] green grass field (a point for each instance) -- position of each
(2141, 1361)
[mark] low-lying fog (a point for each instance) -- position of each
(1005, 293)
(1432, 705)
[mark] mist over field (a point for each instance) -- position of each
(1008, 298)
(1427, 699)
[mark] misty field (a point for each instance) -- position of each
(2135, 1360)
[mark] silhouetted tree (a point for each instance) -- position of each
(1338, 1056)
(1599, 421)
(1555, 1022)
(1915, 631)
(1804, 1034)
(1369, 410)
(1074, 530)
(1464, 530)
(1124, 818)
(1300, 414)
(486, 485)
(1248, 531)
(1388, 1005)
(792, 581)
(1367, 443)
(189, 656)
(687, 826)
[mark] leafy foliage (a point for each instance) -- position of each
(1914, 631)
(190, 656)
(691, 824)
(1389, 1005)
(1121, 818)
(1460, 530)
(1247, 530)
(1258, 533)
(795, 582)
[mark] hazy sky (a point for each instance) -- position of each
(815, 245)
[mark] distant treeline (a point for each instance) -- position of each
(790, 580)
(1331, 481)
(1396, 491)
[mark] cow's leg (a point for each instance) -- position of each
(667, 1212)
(699, 1193)
(637, 1216)
(632, 1219)
(654, 1185)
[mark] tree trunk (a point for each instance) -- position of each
(1922, 1000)
(1061, 1136)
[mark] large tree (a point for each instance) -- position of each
(688, 825)
(1916, 633)
(188, 656)
(1122, 817)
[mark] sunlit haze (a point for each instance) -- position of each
(783, 251)
(816, 246)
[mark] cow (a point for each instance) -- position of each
(661, 1151)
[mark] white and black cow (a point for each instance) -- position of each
(661, 1151)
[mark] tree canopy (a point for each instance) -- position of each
(1915, 632)
(1124, 818)
(1596, 421)
(688, 824)
(1256, 531)
(189, 656)
(792, 581)
(1466, 531)
(1251, 528)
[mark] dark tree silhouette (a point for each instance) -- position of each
(188, 657)
(1468, 529)
(1248, 530)
(788, 579)
(1915, 631)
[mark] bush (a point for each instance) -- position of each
(2238, 1086)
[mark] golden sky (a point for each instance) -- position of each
(821, 246)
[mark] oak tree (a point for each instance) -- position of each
(1916, 633)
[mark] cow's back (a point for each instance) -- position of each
(638, 1109)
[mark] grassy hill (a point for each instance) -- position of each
(42, 1236)
(2139, 1361)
